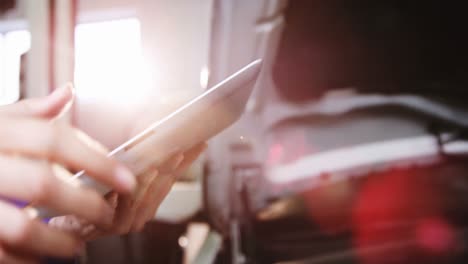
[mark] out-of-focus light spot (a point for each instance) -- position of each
(275, 154)
(280, 209)
(388, 208)
(204, 77)
(290, 146)
(31, 212)
(183, 241)
(109, 63)
(436, 236)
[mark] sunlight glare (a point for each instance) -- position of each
(109, 62)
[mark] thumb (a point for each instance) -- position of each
(45, 107)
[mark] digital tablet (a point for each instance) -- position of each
(197, 121)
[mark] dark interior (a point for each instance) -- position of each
(373, 46)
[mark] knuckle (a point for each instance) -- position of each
(57, 136)
(52, 135)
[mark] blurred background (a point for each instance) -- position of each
(352, 148)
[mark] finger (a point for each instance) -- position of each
(82, 227)
(163, 190)
(128, 205)
(44, 107)
(128, 224)
(65, 145)
(171, 164)
(124, 215)
(7, 258)
(20, 232)
(68, 223)
(112, 199)
(145, 181)
(37, 182)
(89, 231)
(89, 227)
(190, 156)
(73, 224)
(159, 189)
(153, 198)
(146, 204)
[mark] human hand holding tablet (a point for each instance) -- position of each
(195, 122)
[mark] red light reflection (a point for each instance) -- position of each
(402, 206)
(275, 154)
(288, 147)
(436, 236)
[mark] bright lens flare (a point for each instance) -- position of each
(109, 62)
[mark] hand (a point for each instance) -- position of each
(30, 147)
(143, 206)
(133, 211)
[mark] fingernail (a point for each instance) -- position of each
(67, 88)
(125, 178)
